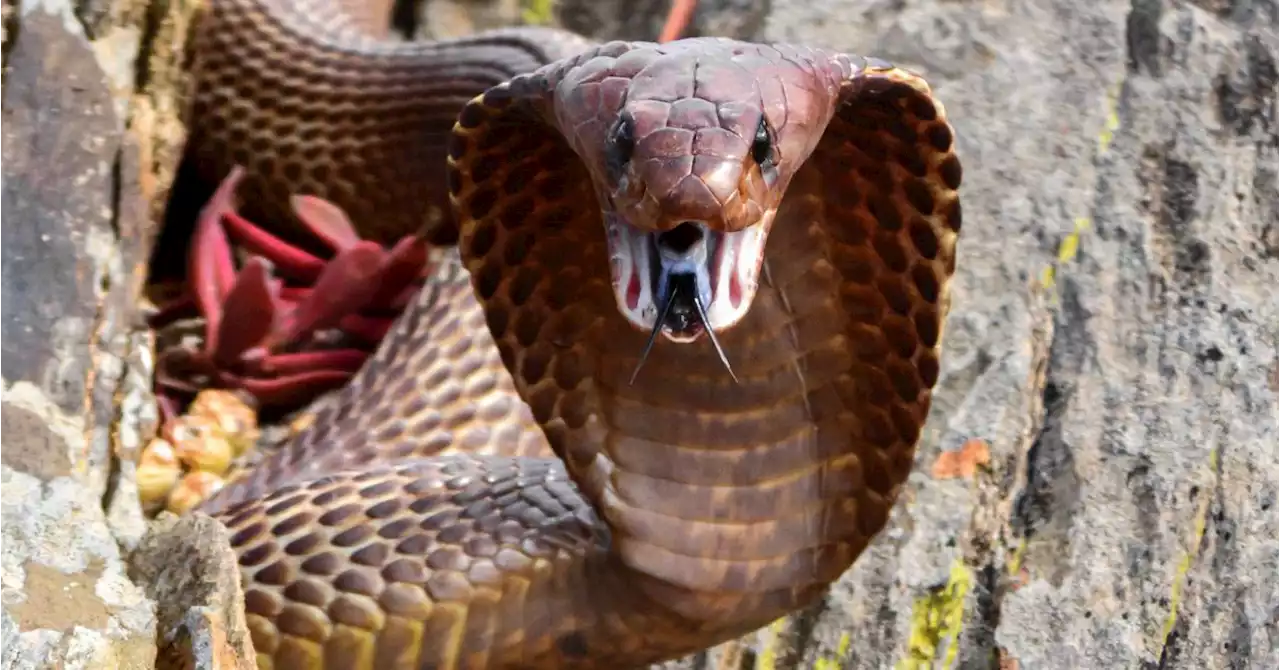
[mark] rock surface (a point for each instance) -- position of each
(80, 141)
(1112, 347)
(1113, 340)
(188, 568)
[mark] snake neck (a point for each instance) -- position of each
(728, 503)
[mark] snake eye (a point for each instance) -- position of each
(621, 143)
(762, 145)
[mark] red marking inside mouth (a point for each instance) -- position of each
(733, 245)
(633, 290)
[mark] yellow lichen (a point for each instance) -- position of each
(1184, 564)
(937, 619)
(1067, 251)
(1071, 244)
(538, 12)
(1113, 121)
(842, 650)
(1016, 557)
(768, 658)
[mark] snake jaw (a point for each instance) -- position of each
(272, 340)
(724, 268)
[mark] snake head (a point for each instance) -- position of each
(691, 146)
(691, 170)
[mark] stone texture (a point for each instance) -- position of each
(188, 568)
(66, 599)
(78, 180)
(1113, 339)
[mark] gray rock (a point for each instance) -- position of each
(77, 181)
(188, 568)
(1113, 340)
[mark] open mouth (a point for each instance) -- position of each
(685, 281)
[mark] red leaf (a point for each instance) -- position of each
(294, 293)
(250, 311)
(345, 360)
(402, 268)
(210, 270)
(344, 287)
(168, 407)
(181, 308)
(371, 329)
(326, 220)
(400, 302)
(291, 261)
(294, 389)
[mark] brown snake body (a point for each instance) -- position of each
(489, 490)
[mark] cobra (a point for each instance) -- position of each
(497, 486)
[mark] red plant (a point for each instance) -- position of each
(261, 332)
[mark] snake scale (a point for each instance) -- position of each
(504, 484)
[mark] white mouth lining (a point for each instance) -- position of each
(630, 264)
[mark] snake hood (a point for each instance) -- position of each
(691, 147)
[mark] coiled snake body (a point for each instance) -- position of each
(493, 489)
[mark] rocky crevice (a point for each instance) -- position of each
(77, 392)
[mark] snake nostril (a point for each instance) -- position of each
(681, 239)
